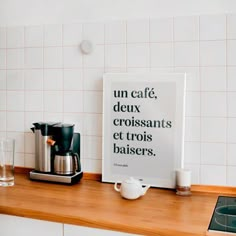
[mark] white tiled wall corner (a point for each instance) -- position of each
(43, 67)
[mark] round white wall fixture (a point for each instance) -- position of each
(86, 47)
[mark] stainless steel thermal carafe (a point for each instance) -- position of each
(43, 133)
(66, 163)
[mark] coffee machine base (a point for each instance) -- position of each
(63, 179)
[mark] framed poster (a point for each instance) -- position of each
(143, 127)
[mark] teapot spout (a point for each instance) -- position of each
(145, 189)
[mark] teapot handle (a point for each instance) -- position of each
(116, 187)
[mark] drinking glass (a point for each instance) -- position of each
(7, 154)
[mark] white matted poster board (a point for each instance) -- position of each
(143, 127)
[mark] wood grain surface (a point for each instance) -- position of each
(95, 204)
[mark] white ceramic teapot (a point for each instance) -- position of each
(131, 188)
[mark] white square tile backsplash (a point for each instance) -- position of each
(15, 58)
(186, 28)
(44, 76)
(3, 38)
(212, 27)
(15, 37)
(161, 30)
(3, 59)
(34, 36)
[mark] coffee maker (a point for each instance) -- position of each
(57, 153)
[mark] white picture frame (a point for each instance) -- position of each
(143, 127)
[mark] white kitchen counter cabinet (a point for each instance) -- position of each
(73, 230)
(14, 226)
(20, 226)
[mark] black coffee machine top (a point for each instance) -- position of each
(62, 135)
(45, 128)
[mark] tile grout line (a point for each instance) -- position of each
(6, 51)
(200, 85)
(63, 73)
(227, 102)
(43, 74)
(24, 98)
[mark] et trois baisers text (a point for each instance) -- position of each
(133, 129)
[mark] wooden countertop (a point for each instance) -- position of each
(94, 204)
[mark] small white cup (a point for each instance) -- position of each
(183, 182)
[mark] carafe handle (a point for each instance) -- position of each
(77, 162)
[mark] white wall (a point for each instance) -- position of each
(29, 12)
(34, 59)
